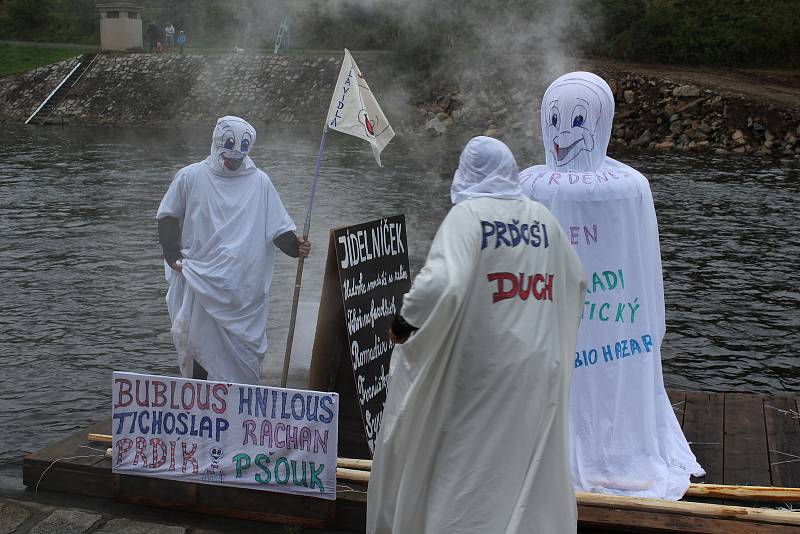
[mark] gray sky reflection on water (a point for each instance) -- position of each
(83, 287)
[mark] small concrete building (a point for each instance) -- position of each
(120, 25)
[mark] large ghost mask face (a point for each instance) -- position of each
(232, 141)
(576, 122)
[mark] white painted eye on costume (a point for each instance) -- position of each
(579, 116)
(246, 140)
(555, 118)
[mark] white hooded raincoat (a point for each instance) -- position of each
(474, 431)
(218, 304)
(625, 438)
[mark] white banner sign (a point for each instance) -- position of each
(282, 440)
(353, 109)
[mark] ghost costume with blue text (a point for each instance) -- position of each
(218, 304)
(474, 430)
(625, 439)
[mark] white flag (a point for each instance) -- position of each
(355, 111)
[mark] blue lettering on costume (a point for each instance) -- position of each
(607, 354)
(488, 231)
(501, 231)
(619, 350)
(512, 234)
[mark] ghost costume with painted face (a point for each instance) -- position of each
(229, 218)
(474, 431)
(626, 439)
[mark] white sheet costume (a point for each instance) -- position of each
(474, 431)
(218, 304)
(625, 437)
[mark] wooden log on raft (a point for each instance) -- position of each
(744, 493)
(353, 463)
(353, 475)
(689, 509)
(100, 438)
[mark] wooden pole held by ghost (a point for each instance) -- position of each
(300, 261)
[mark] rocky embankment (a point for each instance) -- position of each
(651, 112)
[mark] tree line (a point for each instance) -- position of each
(734, 33)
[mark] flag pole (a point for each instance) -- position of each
(300, 260)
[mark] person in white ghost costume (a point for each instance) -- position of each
(474, 430)
(625, 438)
(219, 225)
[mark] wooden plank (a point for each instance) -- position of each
(265, 506)
(745, 444)
(703, 428)
(745, 493)
(69, 466)
(691, 509)
(782, 418)
(351, 507)
(635, 521)
(225, 501)
(678, 400)
(73, 445)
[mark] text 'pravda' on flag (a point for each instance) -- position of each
(355, 111)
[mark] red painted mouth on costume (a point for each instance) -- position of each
(561, 153)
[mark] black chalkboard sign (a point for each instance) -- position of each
(369, 264)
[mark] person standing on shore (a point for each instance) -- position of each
(219, 226)
(169, 37)
(625, 439)
(152, 35)
(181, 41)
(474, 432)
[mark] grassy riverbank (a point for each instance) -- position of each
(20, 58)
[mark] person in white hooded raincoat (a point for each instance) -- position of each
(219, 226)
(625, 438)
(474, 430)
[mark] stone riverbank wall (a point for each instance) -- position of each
(154, 90)
(150, 90)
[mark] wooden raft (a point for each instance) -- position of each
(740, 439)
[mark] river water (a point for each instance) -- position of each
(82, 287)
